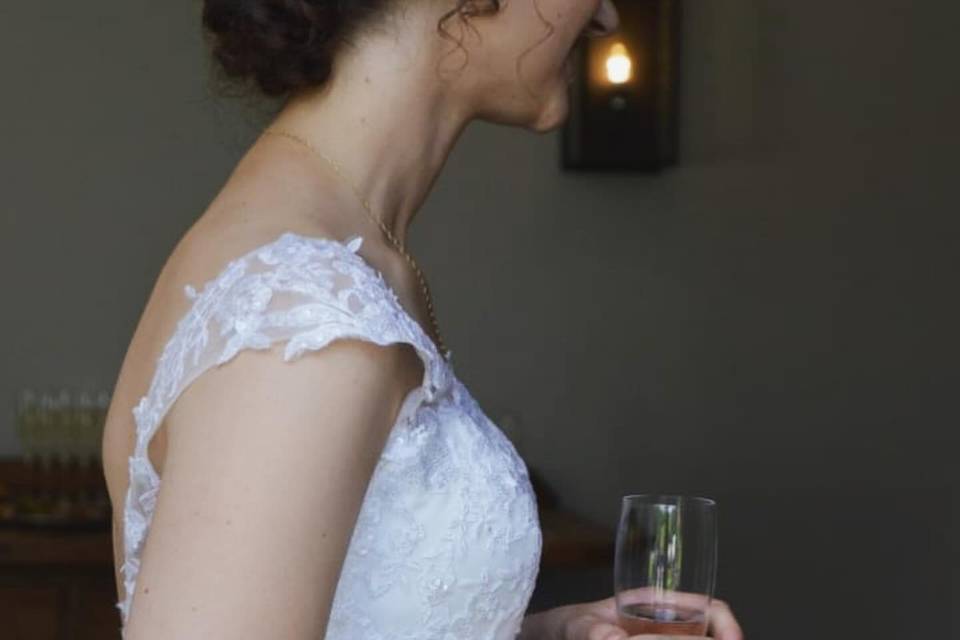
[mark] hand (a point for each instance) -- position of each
(598, 621)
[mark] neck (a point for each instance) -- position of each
(384, 118)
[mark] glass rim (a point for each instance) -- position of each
(669, 498)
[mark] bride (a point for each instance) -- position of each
(289, 452)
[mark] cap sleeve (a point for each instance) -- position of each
(303, 292)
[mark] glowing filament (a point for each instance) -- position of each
(618, 64)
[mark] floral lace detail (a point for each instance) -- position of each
(447, 542)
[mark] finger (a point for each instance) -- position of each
(605, 610)
(723, 626)
(591, 628)
(606, 631)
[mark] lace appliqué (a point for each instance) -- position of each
(447, 543)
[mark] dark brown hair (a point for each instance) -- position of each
(285, 45)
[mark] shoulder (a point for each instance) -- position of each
(350, 383)
(293, 295)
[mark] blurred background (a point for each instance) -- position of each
(772, 323)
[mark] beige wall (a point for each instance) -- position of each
(775, 318)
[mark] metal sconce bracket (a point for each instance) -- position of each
(623, 98)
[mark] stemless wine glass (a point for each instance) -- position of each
(666, 564)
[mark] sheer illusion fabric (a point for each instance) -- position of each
(447, 542)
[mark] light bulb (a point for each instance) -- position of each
(618, 64)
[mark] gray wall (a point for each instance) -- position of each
(772, 324)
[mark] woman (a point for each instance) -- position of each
(324, 472)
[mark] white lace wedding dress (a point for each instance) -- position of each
(447, 543)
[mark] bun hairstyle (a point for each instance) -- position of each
(282, 46)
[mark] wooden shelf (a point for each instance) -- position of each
(36, 547)
(55, 583)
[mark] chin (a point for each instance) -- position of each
(554, 111)
(548, 113)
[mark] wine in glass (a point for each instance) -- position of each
(666, 563)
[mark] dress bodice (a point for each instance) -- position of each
(447, 542)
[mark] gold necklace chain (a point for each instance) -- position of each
(393, 240)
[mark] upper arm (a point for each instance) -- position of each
(267, 465)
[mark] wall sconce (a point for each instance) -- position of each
(623, 96)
